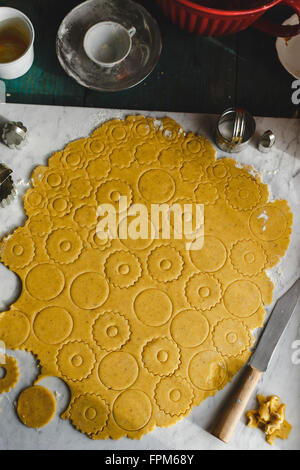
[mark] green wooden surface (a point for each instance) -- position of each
(194, 74)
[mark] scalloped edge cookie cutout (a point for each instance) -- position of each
(11, 377)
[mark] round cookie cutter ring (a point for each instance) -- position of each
(228, 143)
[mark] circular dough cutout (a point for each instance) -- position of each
(14, 328)
(118, 370)
(53, 325)
(189, 328)
(156, 186)
(89, 290)
(153, 307)
(36, 406)
(242, 298)
(212, 255)
(45, 281)
(268, 223)
(207, 370)
(132, 410)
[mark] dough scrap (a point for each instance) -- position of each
(11, 371)
(141, 330)
(270, 417)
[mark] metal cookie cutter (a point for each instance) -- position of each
(7, 188)
(235, 128)
(266, 142)
(13, 134)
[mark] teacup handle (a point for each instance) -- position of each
(132, 31)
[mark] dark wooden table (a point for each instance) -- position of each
(194, 74)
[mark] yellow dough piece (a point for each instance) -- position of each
(140, 329)
(89, 414)
(36, 406)
(270, 417)
(11, 374)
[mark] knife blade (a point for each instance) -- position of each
(259, 361)
(278, 321)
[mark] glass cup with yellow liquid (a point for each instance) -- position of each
(16, 43)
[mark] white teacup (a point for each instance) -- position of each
(108, 43)
(12, 18)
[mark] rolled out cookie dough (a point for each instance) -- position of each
(140, 330)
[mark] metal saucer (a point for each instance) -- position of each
(135, 68)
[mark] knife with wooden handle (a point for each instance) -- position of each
(258, 363)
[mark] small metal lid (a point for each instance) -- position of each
(266, 142)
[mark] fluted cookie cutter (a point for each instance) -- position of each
(235, 127)
(7, 188)
(13, 134)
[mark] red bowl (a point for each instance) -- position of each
(206, 21)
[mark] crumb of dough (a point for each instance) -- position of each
(270, 417)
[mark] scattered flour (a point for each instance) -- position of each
(265, 217)
(168, 133)
(24, 184)
(275, 274)
(157, 123)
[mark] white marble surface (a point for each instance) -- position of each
(50, 128)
